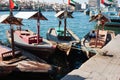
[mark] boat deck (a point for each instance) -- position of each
(53, 36)
(2, 50)
(24, 39)
(25, 62)
(100, 42)
(103, 66)
(27, 37)
(90, 47)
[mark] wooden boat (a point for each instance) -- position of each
(113, 24)
(6, 70)
(62, 35)
(91, 45)
(29, 40)
(114, 17)
(101, 37)
(112, 13)
(22, 62)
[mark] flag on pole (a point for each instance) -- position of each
(107, 2)
(68, 2)
(71, 2)
(11, 2)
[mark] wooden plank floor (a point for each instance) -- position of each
(103, 66)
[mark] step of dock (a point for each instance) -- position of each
(103, 66)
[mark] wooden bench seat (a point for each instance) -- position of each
(9, 55)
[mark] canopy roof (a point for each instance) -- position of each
(30, 15)
(102, 16)
(7, 19)
(61, 14)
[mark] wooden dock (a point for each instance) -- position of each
(103, 66)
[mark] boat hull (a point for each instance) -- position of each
(41, 52)
(91, 46)
(68, 39)
(43, 49)
(23, 62)
(27, 75)
(6, 70)
(113, 24)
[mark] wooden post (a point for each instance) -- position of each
(97, 37)
(103, 23)
(38, 28)
(65, 27)
(65, 23)
(12, 40)
(59, 25)
(12, 35)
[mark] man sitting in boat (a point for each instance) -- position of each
(92, 34)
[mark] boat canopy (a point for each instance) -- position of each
(30, 15)
(106, 16)
(7, 19)
(61, 14)
(103, 16)
(3, 17)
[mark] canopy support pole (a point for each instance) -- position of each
(38, 29)
(65, 27)
(12, 36)
(12, 40)
(97, 37)
(65, 23)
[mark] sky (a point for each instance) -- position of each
(61, 1)
(54, 1)
(119, 1)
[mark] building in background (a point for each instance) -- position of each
(84, 5)
(35, 4)
(94, 3)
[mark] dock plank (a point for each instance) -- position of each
(101, 66)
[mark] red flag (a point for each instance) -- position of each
(102, 1)
(11, 4)
(68, 2)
